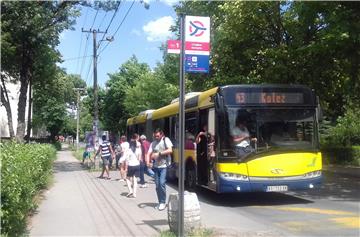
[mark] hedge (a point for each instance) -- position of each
(25, 169)
(341, 155)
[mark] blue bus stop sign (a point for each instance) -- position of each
(197, 63)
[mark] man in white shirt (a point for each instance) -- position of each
(160, 151)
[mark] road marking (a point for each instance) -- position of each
(313, 210)
(296, 226)
(350, 222)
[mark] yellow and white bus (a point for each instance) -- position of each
(283, 119)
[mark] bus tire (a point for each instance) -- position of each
(190, 175)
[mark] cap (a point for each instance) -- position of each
(143, 137)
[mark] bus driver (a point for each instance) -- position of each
(241, 138)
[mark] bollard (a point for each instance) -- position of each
(192, 218)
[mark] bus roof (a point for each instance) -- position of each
(199, 100)
(137, 119)
(205, 99)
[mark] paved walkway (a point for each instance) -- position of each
(79, 204)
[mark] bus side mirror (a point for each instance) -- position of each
(219, 104)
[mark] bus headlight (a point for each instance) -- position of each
(313, 174)
(232, 176)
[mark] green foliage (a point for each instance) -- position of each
(347, 130)
(311, 43)
(146, 94)
(113, 112)
(201, 232)
(51, 98)
(57, 145)
(341, 155)
(25, 169)
(30, 33)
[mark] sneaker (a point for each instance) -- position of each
(162, 206)
(143, 186)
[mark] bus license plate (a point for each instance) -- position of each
(282, 188)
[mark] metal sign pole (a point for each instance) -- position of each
(181, 129)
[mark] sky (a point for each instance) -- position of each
(141, 34)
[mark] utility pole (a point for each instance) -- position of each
(96, 108)
(78, 115)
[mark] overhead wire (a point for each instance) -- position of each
(87, 75)
(77, 63)
(102, 20)
(112, 18)
(86, 47)
(127, 13)
(71, 59)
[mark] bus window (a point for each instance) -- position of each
(190, 123)
(172, 134)
(211, 121)
(159, 123)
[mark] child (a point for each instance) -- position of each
(87, 153)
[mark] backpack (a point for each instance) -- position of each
(168, 157)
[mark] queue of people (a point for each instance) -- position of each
(136, 158)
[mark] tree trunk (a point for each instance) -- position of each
(20, 131)
(28, 133)
(6, 102)
(24, 83)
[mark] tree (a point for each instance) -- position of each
(52, 98)
(30, 29)
(114, 114)
(311, 43)
(150, 91)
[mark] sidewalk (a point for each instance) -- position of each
(79, 204)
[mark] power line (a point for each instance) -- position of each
(87, 75)
(124, 17)
(77, 63)
(95, 18)
(85, 51)
(86, 47)
(112, 18)
(102, 20)
(119, 26)
(70, 59)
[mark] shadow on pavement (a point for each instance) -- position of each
(154, 223)
(248, 199)
(244, 199)
(147, 204)
(66, 166)
(335, 187)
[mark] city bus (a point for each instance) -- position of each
(284, 156)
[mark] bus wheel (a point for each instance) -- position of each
(190, 176)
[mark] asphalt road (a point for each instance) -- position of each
(79, 204)
(333, 210)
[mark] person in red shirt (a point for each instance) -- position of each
(145, 144)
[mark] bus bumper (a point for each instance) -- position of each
(231, 186)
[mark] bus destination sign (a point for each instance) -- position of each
(268, 98)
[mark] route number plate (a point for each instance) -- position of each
(282, 188)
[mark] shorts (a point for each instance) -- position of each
(106, 160)
(133, 171)
(122, 159)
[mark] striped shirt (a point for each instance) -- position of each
(105, 151)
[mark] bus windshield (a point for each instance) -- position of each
(275, 128)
